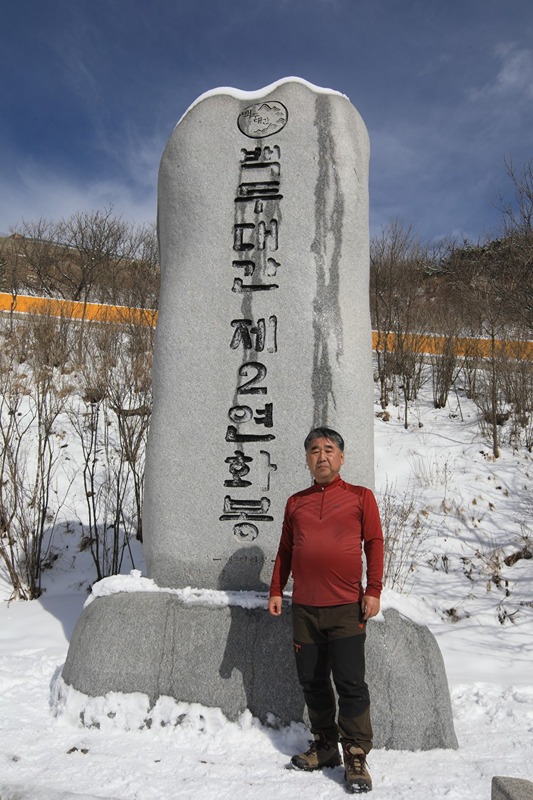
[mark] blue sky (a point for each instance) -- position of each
(90, 91)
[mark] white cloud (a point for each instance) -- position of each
(137, 155)
(515, 76)
(36, 192)
(516, 73)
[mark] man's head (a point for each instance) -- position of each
(324, 453)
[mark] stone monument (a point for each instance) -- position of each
(264, 327)
(263, 332)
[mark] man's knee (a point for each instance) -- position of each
(348, 668)
(347, 657)
(312, 663)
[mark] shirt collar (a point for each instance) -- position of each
(325, 486)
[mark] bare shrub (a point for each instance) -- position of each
(446, 367)
(518, 395)
(388, 252)
(32, 397)
(130, 394)
(110, 422)
(404, 530)
(89, 256)
(91, 424)
(13, 272)
(397, 267)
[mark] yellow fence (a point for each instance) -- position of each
(460, 346)
(76, 310)
(428, 345)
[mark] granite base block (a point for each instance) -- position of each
(511, 789)
(236, 658)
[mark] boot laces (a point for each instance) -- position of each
(356, 761)
(321, 742)
(313, 748)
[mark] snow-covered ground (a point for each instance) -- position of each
(472, 512)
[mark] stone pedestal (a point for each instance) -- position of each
(511, 789)
(235, 658)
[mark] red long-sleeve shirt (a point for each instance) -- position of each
(325, 529)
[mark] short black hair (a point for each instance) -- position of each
(323, 433)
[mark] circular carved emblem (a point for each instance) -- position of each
(244, 530)
(263, 119)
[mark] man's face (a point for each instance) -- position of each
(324, 459)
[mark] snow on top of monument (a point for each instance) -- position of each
(257, 94)
(413, 609)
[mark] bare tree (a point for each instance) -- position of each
(518, 215)
(387, 255)
(99, 246)
(474, 278)
(13, 275)
(516, 245)
(139, 279)
(82, 258)
(111, 427)
(34, 270)
(32, 396)
(131, 401)
(397, 269)
(86, 257)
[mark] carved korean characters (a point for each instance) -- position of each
(256, 253)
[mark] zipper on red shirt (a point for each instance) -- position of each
(323, 490)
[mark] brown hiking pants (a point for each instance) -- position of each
(328, 641)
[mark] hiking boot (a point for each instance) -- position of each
(356, 774)
(324, 752)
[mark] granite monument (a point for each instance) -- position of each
(264, 328)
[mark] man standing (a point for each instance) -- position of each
(325, 529)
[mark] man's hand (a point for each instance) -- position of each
(370, 606)
(275, 606)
